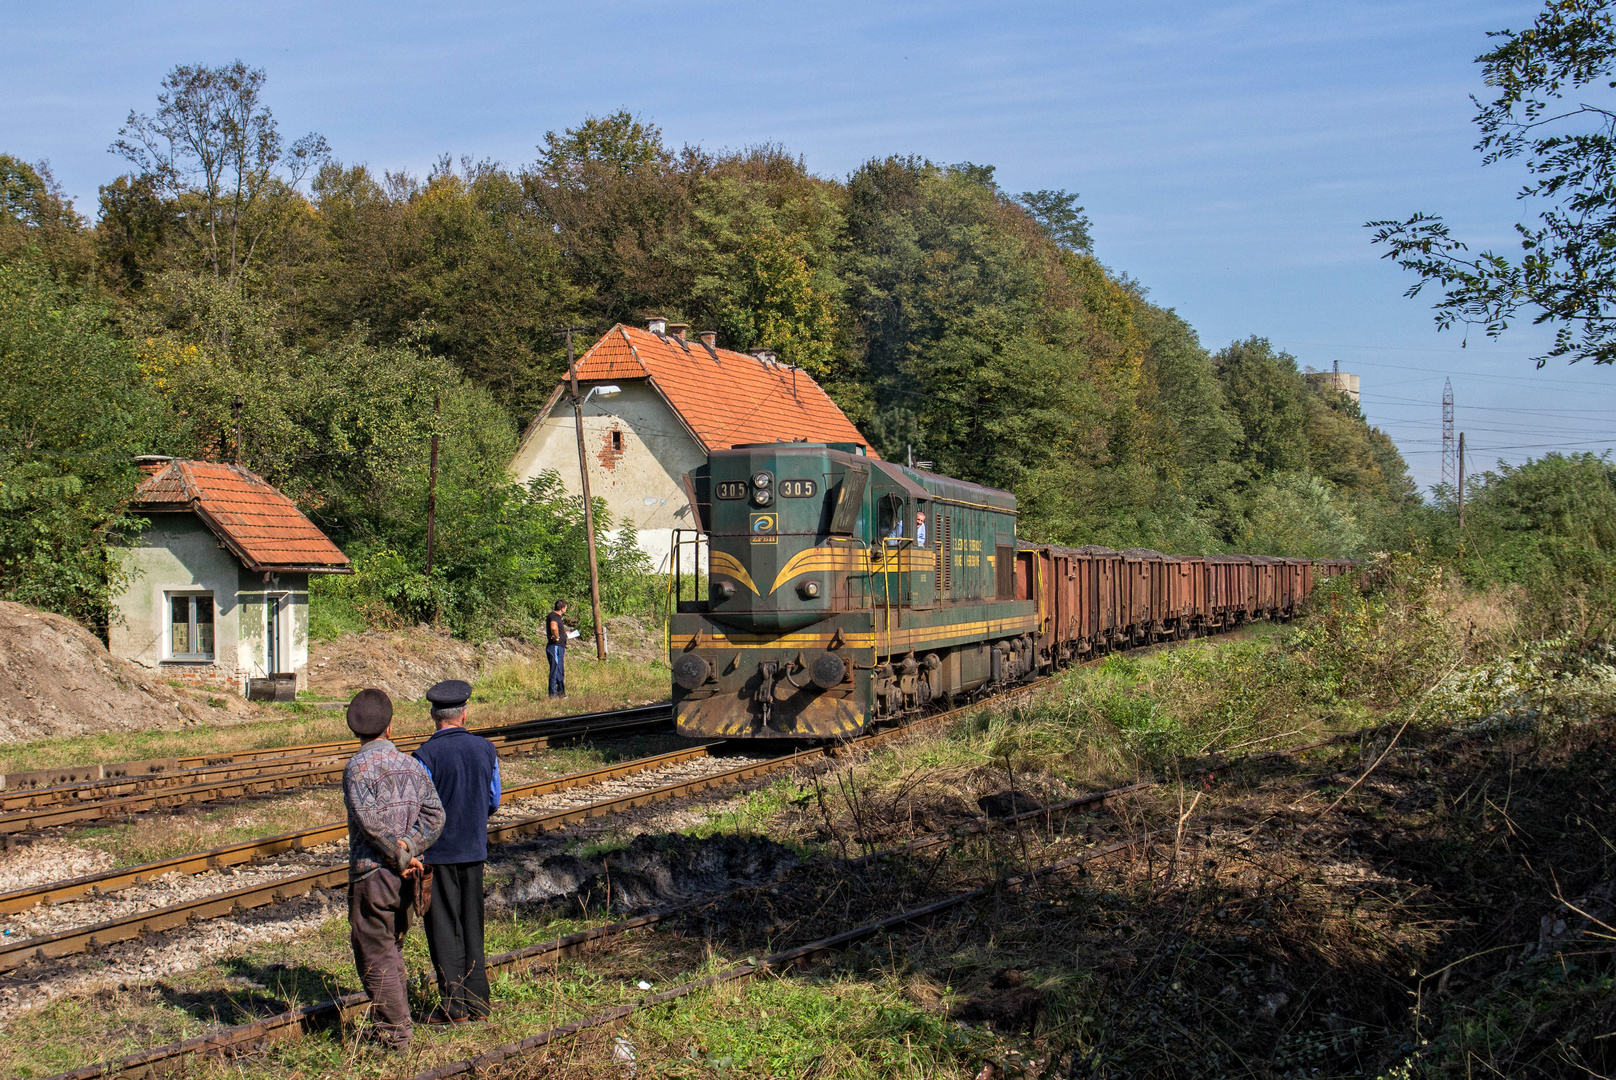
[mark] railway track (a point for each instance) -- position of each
(125, 777)
(306, 1018)
(323, 1015)
(80, 939)
(252, 850)
(67, 942)
(122, 797)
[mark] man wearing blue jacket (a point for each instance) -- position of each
(465, 771)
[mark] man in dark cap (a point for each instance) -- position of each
(393, 816)
(465, 769)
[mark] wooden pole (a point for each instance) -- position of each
(1461, 479)
(589, 504)
(432, 490)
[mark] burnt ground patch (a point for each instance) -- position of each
(653, 871)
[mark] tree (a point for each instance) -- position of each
(1268, 397)
(73, 411)
(1062, 220)
(38, 222)
(1566, 271)
(215, 147)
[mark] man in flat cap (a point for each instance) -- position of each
(465, 769)
(393, 816)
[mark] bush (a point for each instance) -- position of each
(72, 413)
(1387, 642)
(517, 549)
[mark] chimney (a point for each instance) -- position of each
(677, 329)
(152, 464)
(657, 325)
(764, 356)
(709, 338)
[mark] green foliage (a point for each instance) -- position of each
(72, 412)
(941, 312)
(1547, 114)
(1062, 220)
(1300, 515)
(1389, 642)
(38, 222)
(506, 553)
(1548, 526)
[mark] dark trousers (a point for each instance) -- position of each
(378, 919)
(557, 655)
(454, 935)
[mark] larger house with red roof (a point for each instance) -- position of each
(216, 588)
(656, 403)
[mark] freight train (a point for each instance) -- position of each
(826, 591)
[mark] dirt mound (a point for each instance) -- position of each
(405, 663)
(628, 638)
(652, 872)
(56, 678)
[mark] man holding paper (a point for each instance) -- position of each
(555, 648)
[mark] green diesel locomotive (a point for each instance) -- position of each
(826, 590)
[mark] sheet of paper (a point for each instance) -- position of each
(572, 634)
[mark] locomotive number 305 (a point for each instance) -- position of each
(798, 489)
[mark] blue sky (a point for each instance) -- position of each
(1228, 153)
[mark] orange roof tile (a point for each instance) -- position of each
(260, 525)
(726, 398)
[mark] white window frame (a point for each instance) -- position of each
(191, 596)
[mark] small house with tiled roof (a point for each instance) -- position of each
(655, 405)
(216, 588)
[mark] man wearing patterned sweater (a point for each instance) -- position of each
(393, 816)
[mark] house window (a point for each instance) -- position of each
(617, 441)
(190, 627)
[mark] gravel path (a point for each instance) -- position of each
(164, 954)
(45, 861)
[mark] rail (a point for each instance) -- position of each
(74, 776)
(111, 798)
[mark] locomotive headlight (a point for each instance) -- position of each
(808, 590)
(762, 496)
(762, 480)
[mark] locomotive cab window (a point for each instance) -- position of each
(889, 520)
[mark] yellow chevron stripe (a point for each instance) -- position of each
(816, 558)
(784, 641)
(722, 562)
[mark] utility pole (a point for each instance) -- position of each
(1448, 478)
(237, 407)
(1461, 479)
(589, 505)
(432, 490)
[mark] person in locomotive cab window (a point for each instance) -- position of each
(920, 528)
